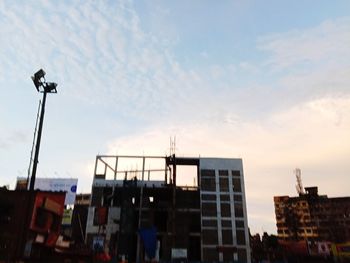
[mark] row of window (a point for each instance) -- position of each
(209, 184)
(300, 231)
(304, 203)
(303, 224)
(209, 209)
(224, 223)
(212, 255)
(210, 237)
(211, 173)
(223, 197)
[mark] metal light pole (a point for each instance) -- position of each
(43, 87)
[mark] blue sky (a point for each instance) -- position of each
(266, 81)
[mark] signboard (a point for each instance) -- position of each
(47, 211)
(67, 217)
(58, 184)
(98, 243)
(178, 253)
(341, 250)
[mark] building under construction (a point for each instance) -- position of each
(203, 222)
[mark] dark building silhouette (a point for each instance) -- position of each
(30, 223)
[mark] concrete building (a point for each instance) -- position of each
(205, 222)
(313, 217)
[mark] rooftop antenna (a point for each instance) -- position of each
(299, 185)
(172, 145)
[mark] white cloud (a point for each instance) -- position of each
(94, 46)
(11, 138)
(248, 67)
(204, 54)
(328, 42)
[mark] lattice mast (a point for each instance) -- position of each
(172, 145)
(299, 186)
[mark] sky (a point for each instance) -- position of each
(265, 81)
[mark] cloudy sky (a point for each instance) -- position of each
(265, 81)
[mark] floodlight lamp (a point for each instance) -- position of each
(40, 74)
(50, 87)
(37, 78)
(37, 83)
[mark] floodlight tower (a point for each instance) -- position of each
(44, 87)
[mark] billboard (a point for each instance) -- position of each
(58, 184)
(47, 211)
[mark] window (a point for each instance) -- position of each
(210, 173)
(225, 210)
(237, 198)
(209, 197)
(238, 210)
(223, 173)
(224, 197)
(240, 237)
(208, 184)
(226, 223)
(210, 236)
(223, 184)
(209, 209)
(227, 237)
(239, 223)
(236, 173)
(210, 223)
(236, 184)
